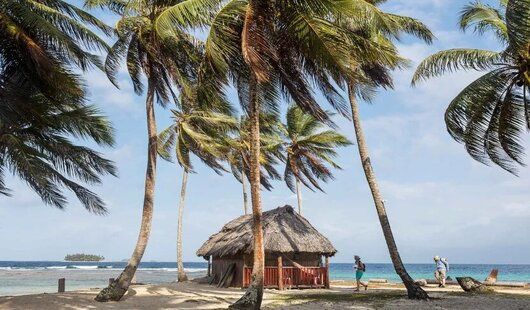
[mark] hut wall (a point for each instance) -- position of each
(304, 259)
(220, 265)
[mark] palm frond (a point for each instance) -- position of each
(455, 59)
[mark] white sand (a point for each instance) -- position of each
(199, 296)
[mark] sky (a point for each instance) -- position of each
(439, 201)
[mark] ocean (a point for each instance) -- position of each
(18, 278)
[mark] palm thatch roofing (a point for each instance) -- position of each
(284, 231)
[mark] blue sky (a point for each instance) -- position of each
(439, 200)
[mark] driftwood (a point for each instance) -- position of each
(471, 285)
(508, 284)
(380, 281)
(492, 277)
(447, 282)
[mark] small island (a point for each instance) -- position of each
(83, 258)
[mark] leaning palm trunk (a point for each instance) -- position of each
(119, 287)
(254, 294)
(180, 265)
(245, 194)
(299, 196)
(414, 291)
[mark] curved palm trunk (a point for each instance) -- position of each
(299, 196)
(119, 287)
(181, 277)
(254, 294)
(414, 291)
(245, 194)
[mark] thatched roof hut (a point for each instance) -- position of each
(286, 234)
(284, 231)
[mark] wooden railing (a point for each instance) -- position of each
(292, 277)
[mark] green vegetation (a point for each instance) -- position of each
(309, 148)
(83, 258)
(193, 131)
(43, 109)
(491, 114)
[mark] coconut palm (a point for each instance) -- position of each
(37, 138)
(308, 149)
(43, 104)
(43, 41)
(239, 151)
(198, 132)
(268, 49)
(371, 67)
(166, 60)
(490, 115)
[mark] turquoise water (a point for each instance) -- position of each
(516, 273)
(18, 278)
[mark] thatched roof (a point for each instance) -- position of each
(284, 231)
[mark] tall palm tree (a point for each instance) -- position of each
(239, 153)
(371, 67)
(309, 150)
(43, 103)
(166, 60)
(198, 132)
(269, 49)
(490, 115)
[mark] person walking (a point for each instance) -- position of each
(359, 268)
(442, 267)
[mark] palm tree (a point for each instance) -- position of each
(37, 135)
(193, 131)
(490, 115)
(371, 67)
(269, 49)
(239, 152)
(309, 149)
(43, 103)
(166, 59)
(43, 41)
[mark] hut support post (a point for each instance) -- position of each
(327, 272)
(209, 267)
(280, 273)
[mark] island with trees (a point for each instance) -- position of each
(83, 258)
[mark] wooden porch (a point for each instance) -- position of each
(287, 277)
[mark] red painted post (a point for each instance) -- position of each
(280, 273)
(327, 272)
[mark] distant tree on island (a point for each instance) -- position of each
(83, 258)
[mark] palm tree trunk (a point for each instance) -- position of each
(299, 196)
(254, 294)
(119, 287)
(180, 264)
(245, 194)
(414, 291)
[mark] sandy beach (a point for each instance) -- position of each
(192, 295)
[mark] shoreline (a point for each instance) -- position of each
(192, 295)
